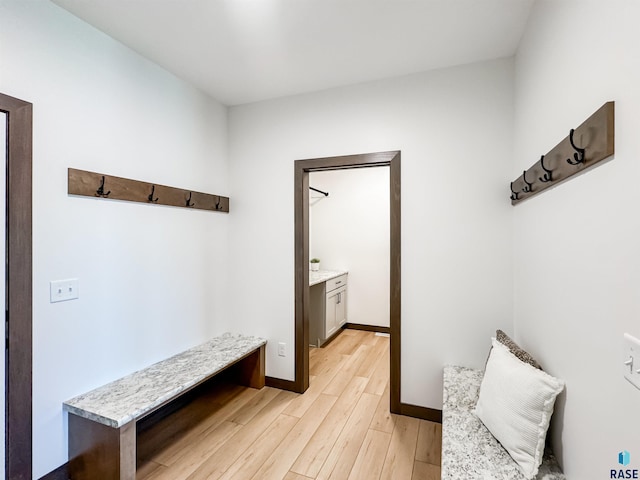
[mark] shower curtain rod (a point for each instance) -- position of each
(326, 194)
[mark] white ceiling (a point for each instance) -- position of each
(242, 51)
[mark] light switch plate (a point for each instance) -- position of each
(631, 360)
(63, 290)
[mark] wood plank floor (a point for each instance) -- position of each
(340, 428)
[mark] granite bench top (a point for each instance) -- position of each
(130, 398)
(323, 275)
(469, 451)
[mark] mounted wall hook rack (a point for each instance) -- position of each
(548, 174)
(596, 137)
(527, 187)
(82, 182)
(151, 199)
(578, 157)
(100, 190)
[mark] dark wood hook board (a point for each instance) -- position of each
(96, 185)
(584, 148)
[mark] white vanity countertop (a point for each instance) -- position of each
(324, 275)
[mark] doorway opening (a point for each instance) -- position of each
(302, 304)
(349, 235)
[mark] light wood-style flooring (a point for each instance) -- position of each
(340, 428)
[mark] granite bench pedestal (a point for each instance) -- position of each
(469, 451)
(102, 422)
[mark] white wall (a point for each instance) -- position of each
(349, 230)
(454, 128)
(577, 268)
(152, 278)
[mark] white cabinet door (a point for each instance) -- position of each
(341, 308)
(330, 321)
(336, 313)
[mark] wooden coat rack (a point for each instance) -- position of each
(584, 148)
(97, 185)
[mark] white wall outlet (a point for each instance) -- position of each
(282, 349)
(631, 360)
(63, 290)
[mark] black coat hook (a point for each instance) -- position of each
(514, 194)
(150, 197)
(527, 188)
(189, 204)
(578, 157)
(217, 205)
(100, 190)
(547, 177)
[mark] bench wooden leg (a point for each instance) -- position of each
(251, 369)
(99, 451)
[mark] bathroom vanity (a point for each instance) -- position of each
(327, 304)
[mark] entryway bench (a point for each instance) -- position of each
(102, 422)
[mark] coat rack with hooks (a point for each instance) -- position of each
(584, 148)
(97, 185)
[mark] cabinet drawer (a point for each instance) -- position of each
(337, 282)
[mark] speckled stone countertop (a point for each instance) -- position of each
(323, 275)
(469, 451)
(130, 397)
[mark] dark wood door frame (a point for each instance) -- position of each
(302, 170)
(18, 351)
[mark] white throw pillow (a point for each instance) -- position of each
(516, 403)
